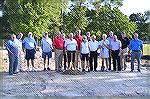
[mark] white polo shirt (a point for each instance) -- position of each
(46, 44)
(85, 47)
(93, 45)
(115, 45)
(71, 45)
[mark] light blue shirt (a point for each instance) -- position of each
(136, 44)
(29, 43)
(13, 47)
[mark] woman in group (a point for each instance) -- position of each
(85, 49)
(104, 45)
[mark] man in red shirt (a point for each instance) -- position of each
(58, 45)
(78, 38)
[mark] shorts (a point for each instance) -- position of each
(49, 54)
(71, 56)
(30, 54)
(84, 56)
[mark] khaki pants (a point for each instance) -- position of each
(78, 60)
(123, 55)
(58, 59)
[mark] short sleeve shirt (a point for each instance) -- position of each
(115, 45)
(13, 46)
(104, 48)
(29, 43)
(93, 45)
(71, 45)
(125, 42)
(46, 44)
(85, 47)
(136, 44)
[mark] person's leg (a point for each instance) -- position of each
(102, 67)
(114, 60)
(139, 60)
(44, 57)
(65, 61)
(15, 65)
(118, 63)
(61, 59)
(95, 61)
(121, 60)
(56, 60)
(106, 60)
(32, 52)
(109, 60)
(11, 62)
(73, 60)
(132, 60)
(48, 60)
(69, 58)
(91, 61)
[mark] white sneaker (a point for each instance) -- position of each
(33, 69)
(28, 69)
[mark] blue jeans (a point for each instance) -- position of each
(137, 56)
(13, 63)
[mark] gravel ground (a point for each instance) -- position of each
(49, 83)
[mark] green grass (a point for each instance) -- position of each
(146, 49)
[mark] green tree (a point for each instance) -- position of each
(75, 19)
(36, 16)
(143, 22)
(108, 19)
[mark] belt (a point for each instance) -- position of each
(59, 48)
(136, 50)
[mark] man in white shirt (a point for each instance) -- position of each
(30, 46)
(115, 50)
(46, 50)
(71, 47)
(93, 52)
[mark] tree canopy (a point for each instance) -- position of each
(36, 16)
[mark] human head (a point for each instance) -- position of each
(78, 32)
(63, 35)
(13, 37)
(71, 36)
(104, 36)
(115, 37)
(93, 37)
(88, 34)
(123, 34)
(30, 34)
(84, 38)
(46, 34)
(59, 34)
(136, 36)
(111, 34)
(20, 35)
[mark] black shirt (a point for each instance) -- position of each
(125, 42)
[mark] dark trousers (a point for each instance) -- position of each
(65, 60)
(93, 55)
(109, 68)
(116, 58)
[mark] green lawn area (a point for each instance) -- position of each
(146, 49)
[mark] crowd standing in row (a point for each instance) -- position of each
(79, 52)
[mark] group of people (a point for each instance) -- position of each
(74, 52)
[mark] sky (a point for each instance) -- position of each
(135, 6)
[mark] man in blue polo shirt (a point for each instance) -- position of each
(136, 46)
(12, 47)
(30, 46)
